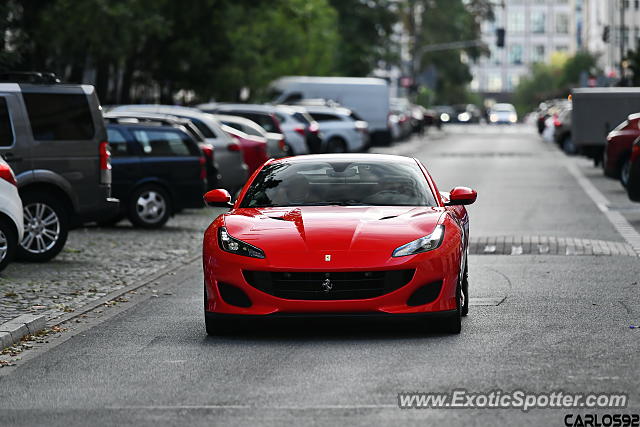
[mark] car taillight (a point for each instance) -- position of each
(282, 144)
(635, 153)
(203, 168)
(207, 150)
(556, 122)
(234, 146)
(6, 173)
(314, 127)
(105, 162)
(299, 130)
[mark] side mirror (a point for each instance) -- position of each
(220, 198)
(461, 196)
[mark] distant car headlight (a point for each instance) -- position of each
(423, 244)
(493, 118)
(236, 246)
(513, 118)
(464, 117)
(444, 117)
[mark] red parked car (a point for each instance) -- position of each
(633, 186)
(254, 148)
(341, 234)
(617, 155)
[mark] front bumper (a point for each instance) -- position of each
(440, 265)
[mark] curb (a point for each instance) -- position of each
(14, 330)
(51, 321)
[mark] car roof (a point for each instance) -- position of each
(245, 107)
(353, 157)
(329, 110)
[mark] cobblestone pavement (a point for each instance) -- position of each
(97, 261)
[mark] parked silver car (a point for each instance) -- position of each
(228, 153)
(276, 144)
(342, 130)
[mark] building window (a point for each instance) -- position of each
(515, 54)
(625, 4)
(512, 82)
(494, 82)
(537, 53)
(637, 4)
(496, 53)
(562, 23)
(538, 22)
(515, 22)
(562, 48)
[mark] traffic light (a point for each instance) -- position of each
(500, 37)
(605, 34)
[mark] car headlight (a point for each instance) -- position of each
(493, 117)
(423, 244)
(513, 118)
(444, 117)
(236, 246)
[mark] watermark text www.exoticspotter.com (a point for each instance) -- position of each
(517, 399)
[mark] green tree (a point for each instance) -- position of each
(444, 21)
(365, 29)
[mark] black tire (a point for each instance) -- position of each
(158, 211)
(336, 145)
(452, 323)
(213, 325)
(46, 227)
(625, 171)
(8, 242)
(464, 311)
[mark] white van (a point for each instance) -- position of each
(368, 97)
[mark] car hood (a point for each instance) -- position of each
(311, 233)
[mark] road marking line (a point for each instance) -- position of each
(279, 408)
(619, 222)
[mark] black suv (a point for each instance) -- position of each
(54, 138)
(158, 170)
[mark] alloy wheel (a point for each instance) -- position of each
(4, 246)
(625, 172)
(151, 206)
(41, 228)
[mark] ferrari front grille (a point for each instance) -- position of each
(334, 285)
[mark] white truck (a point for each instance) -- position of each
(596, 111)
(367, 97)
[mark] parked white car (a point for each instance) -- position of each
(342, 130)
(11, 215)
(276, 144)
(297, 130)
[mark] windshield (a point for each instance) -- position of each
(343, 183)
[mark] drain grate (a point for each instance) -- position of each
(547, 245)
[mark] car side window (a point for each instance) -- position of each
(6, 129)
(164, 143)
(206, 131)
(117, 143)
(59, 117)
(319, 117)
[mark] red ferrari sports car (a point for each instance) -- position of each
(338, 234)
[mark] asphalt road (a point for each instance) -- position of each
(538, 323)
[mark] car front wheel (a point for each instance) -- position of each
(45, 227)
